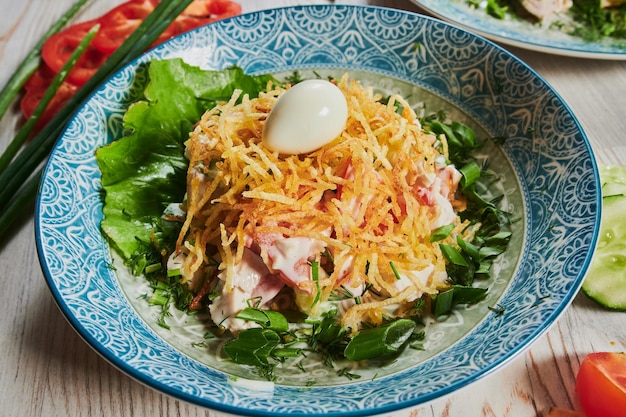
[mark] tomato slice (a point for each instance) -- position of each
(601, 384)
(41, 78)
(212, 9)
(202, 12)
(58, 48)
(120, 22)
(36, 87)
(115, 27)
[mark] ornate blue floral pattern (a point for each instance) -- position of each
(545, 147)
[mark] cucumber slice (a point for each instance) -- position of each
(605, 282)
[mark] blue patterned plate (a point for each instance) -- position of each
(550, 184)
(523, 33)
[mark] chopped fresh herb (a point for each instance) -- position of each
(327, 332)
(498, 309)
(395, 271)
(346, 372)
(453, 255)
(445, 301)
(269, 319)
(441, 233)
(471, 173)
(341, 293)
(380, 342)
(470, 259)
(253, 346)
(294, 78)
(286, 352)
(597, 22)
(497, 9)
(174, 272)
(315, 276)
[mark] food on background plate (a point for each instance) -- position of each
(591, 20)
(340, 250)
(601, 384)
(543, 9)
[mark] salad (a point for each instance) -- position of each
(341, 251)
(591, 20)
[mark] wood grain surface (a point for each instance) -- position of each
(48, 370)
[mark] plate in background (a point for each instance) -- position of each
(522, 33)
(550, 178)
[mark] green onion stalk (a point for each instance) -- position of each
(20, 138)
(30, 64)
(32, 155)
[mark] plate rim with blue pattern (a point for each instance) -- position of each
(554, 164)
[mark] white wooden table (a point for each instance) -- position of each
(47, 370)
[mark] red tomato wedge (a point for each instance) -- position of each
(58, 48)
(601, 384)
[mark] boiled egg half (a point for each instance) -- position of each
(306, 117)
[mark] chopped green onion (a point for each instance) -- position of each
(441, 233)
(395, 271)
(327, 331)
(267, 318)
(159, 297)
(498, 238)
(252, 346)
(443, 302)
(465, 134)
(152, 268)
(453, 255)
(139, 265)
(380, 342)
(496, 10)
(174, 272)
(457, 294)
(439, 128)
(286, 352)
(471, 173)
(315, 276)
(470, 249)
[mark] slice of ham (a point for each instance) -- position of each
(442, 191)
(252, 283)
(291, 258)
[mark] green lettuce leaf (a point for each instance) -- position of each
(146, 169)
